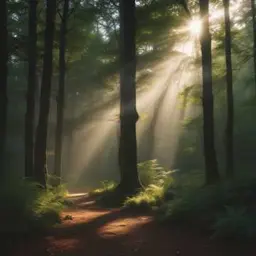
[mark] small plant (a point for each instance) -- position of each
(156, 181)
(106, 187)
(149, 198)
(48, 205)
(25, 206)
(151, 172)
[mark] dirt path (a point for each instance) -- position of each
(113, 232)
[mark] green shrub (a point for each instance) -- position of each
(107, 187)
(25, 206)
(204, 206)
(107, 195)
(150, 172)
(235, 223)
(188, 180)
(156, 181)
(151, 197)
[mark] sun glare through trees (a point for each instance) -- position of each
(195, 26)
(118, 115)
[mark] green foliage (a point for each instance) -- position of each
(149, 198)
(235, 223)
(107, 187)
(156, 180)
(25, 206)
(185, 181)
(151, 173)
(226, 207)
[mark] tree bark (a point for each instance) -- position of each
(128, 114)
(32, 82)
(210, 158)
(41, 132)
(230, 101)
(61, 92)
(254, 37)
(3, 83)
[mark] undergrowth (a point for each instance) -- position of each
(155, 181)
(106, 187)
(161, 185)
(26, 207)
(151, 173)
(227, 209)
(152, 196)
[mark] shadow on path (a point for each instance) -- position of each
(115, 232)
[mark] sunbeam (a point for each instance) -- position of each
(195, 26)
(161, 117)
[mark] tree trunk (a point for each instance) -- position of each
(211, 165)
(254, 37)
(230, 102)
(32, 81)
(61, 92)
(3, 83)
(41, 132)
(128, 113)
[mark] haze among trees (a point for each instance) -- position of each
(145, 105)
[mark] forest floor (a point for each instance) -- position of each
(93, 231)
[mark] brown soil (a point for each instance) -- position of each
(114, 232)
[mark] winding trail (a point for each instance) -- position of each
(114, 232)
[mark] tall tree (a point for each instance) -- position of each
(32, 81)
(254, 37)
(128, 113)
(61, 90)
(230, 101)
(3, 81)
(210, 158)
(41, 132)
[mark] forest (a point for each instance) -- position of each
(127, 127)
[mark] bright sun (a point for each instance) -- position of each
(195, 27)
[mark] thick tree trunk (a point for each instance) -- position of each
(61, 92)
(211, 166)
(3, 83)
(128, 113)
(230, 101)
(41, 132)
(32, 81)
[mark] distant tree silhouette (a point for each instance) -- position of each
(31, 90)
(211, 165)
(41, 132)
(230, 101)
(61, 90)
(3, 81)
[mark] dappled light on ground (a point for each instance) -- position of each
(122, 226)
(115, 232)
